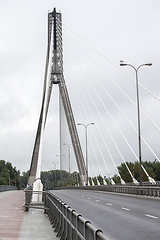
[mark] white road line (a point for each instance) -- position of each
(97, 200)
(126, 209)
(89, 198)
(110, 204)
(82, 196)
(147, 215)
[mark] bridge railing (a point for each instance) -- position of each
(150, 190)
(4, 188)
(137, 190)
(28, 197)
(68, 223)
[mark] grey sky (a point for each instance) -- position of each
(127, 30)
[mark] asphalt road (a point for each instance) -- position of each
(120, 217)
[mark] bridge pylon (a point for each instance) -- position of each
(54, 76)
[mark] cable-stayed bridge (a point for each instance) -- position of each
(88, 94)
(97, 131)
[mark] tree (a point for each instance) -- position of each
(24, 179)
(152, 168)
(9, 174)
(116, 178)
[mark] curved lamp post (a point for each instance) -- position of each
(139, 133)
(86, 146)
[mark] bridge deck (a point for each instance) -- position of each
(16, 224)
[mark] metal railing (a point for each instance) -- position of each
(150, 190)
(4, 188)
(67, 222)
(28, 197)
(138, 190)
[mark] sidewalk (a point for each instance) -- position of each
(16, 224)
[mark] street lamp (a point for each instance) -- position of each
(60, 165)
(69, 147)
(15, 180)
(60, 160)
(9, 178)
(55, 170)
(86, 146)
(139, 133)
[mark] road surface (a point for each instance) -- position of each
(120, 217)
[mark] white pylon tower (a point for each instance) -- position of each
(54, 76)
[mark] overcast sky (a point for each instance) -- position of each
(127, 30)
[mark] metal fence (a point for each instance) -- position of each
(138, 190)
(4, 188)
(150, 190)
(68, 223)
(28, 197)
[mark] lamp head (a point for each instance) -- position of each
(123, 64)
(148, 64)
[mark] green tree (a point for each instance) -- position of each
(9, 174)
(152, 168)
(24, 179)
(116, 178)
(100, 179)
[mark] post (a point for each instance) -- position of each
(139, 131)
(9, 179)
(86, 146)
(69, 160)
(60, 167)
(15, 180)
(55, 170)
(138, 110)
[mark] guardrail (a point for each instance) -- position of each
(68, 223)
(4, 188)
(150, 190)
(28, 197)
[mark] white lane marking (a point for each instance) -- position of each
(126, 209)
(147, 215)
(97, 200)
(82, 196)
(89, 198)
(110, 204)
